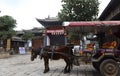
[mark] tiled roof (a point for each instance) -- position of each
(110, 7)
(49, 23)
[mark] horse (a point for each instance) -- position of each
(60, 52)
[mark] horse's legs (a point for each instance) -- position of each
(68, 65)
(46, 64)
(65, 69)
(71, 62)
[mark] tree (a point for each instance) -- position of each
(7, 23)
(27, 35)
(79, 10)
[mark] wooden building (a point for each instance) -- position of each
(36, 41)
(54, 33)
(15, 43)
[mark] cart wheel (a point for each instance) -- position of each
(109, 67)
(96, 65)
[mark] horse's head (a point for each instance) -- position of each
(34, 53)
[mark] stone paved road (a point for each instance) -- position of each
(20, 65)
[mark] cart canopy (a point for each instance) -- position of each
(92, 23)
(95, 26)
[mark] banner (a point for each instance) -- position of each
(56, 32)
(22, 50)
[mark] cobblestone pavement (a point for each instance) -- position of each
(20, 65)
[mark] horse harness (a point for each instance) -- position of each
(42, 51)
(52, 52)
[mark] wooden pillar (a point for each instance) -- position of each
(8, 44)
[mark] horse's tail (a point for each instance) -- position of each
(41, 53)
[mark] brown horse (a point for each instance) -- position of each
(60, 52)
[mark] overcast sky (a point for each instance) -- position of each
(25, 11)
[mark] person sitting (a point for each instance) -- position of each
(109, 45)
(90, 47)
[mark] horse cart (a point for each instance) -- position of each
(99, 45)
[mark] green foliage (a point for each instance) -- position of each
(79, 10)
(27, 35)
(7, 34)
(73, 36)
(7, 23)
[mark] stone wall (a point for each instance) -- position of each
(4, 55)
